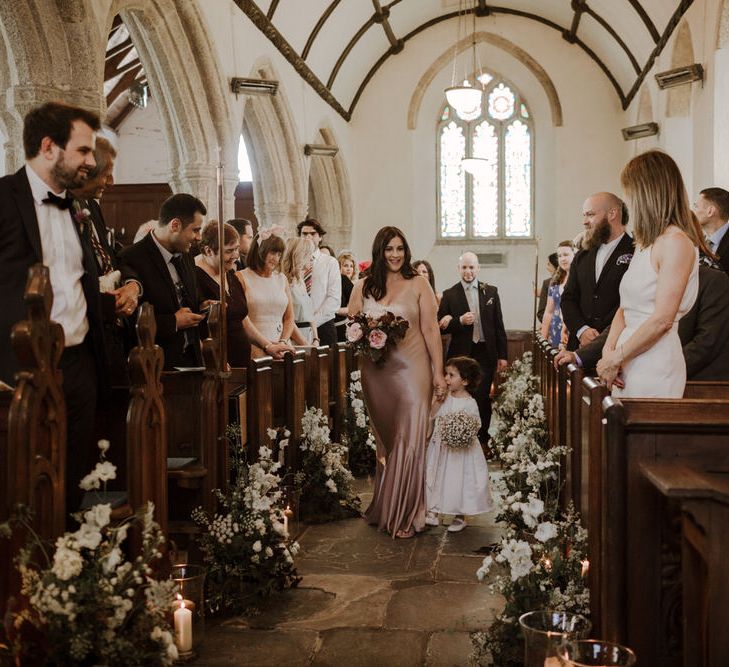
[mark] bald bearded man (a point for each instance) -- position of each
(471, 312)
(592, 293)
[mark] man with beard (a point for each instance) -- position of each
(591, 295)
(37, 226)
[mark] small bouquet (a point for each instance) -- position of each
(458, 429)
(373, 335)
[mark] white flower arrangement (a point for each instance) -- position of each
(357, 435)
(540, 561)
(90, 605)
(245, 544)
(324, 479)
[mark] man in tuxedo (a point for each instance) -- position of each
(704, 332)
(323, 284)
(245, 234)
(119, 293)
(591, 295)
(470, 312)
(712, 211)
(163, 263)
(37, 226)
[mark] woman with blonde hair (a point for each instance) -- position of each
(642, 357)
(348, 269)
(553, 328)
(297, 258)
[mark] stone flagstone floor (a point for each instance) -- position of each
(368, 600)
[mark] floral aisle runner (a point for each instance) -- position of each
(357, 435)
(540, 562)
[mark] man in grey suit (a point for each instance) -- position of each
(704, 332)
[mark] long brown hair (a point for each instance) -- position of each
(375, 284)
(657, 197)
(560, 273)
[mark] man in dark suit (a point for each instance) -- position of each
(166, 270)
(712, 211)
(119, 293)
(245, 234)
(36, 225)
(470, 312)
(591, 295)
(704, 332)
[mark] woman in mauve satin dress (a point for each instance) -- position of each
(398, 393)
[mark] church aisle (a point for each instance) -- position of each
(367, 599)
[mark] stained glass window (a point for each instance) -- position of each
(496, 201)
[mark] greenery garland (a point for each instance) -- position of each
(541, 561)
(357, 436)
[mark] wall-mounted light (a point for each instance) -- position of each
(680, 75)
(640, 131)
(242, 86)
(138, 95)
(320, 149)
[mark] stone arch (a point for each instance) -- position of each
(52, 50)
(645, 106)
(722, 36)
(329, 188)
(280, 188)
(678, 102)
(500, 42)
(187, 82)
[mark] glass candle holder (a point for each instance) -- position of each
(544, 632)
(592, 653)
(189, 608)
(292, 497)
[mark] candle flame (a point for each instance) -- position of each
(179, 597)
(182, 605)
(585, 567)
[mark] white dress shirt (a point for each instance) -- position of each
(603, 254)
(716, 238)
(63, 256)
(471, 290)
(326, 287)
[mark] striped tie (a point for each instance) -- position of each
(308, 271)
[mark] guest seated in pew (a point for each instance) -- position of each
(348, 270)
(267, 291)
(163, 263)
(704, 333)
(207, 271)
(297, 261)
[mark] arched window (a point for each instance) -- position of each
(497, 201)
(245, 173)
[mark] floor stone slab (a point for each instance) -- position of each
(442, 606)
(371, 648)
(260, 648)
(458, 567)
(448, 649)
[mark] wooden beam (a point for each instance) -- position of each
(115, 56)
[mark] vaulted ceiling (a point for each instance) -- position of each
(337, 46)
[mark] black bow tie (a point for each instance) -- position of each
(64, 203)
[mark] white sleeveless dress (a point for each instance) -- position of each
(660, 372)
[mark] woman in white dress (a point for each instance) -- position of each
(297, 259)
(642, 357)
(267, 291)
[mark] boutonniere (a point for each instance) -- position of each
(624, 259)
(482, 288)
(81, 216)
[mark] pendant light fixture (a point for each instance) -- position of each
(466, 98)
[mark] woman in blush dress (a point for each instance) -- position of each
(207, 271)
(267, 290)
(642, 357)
(552, 323)
(398, 392)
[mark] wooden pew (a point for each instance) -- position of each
(34, 450)
(146, 422)
(638, 578)
(704, 502)
(295, 392)
(317, 378)
(339, 382)
(260, 404)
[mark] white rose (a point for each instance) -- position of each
(88, 536)
(67, 563)
(257, 546)
(98, 515)
(546, 531)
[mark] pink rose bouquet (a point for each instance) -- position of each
(373, 336)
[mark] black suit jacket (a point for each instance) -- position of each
(20, 248)
(704, 331)
(588, 303)
(455, 303)
(145, 259)
(722, 253)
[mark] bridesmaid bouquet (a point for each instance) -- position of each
(458, 429)
(374, 336)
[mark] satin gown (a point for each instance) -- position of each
(660, 372)
(398, 395)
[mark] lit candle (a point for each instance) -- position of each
(183, 628)
(189, 604)
(547, 563)
(585, 567)
(287, 513)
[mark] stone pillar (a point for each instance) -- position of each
(286, 214)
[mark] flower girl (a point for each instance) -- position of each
(457, 477)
